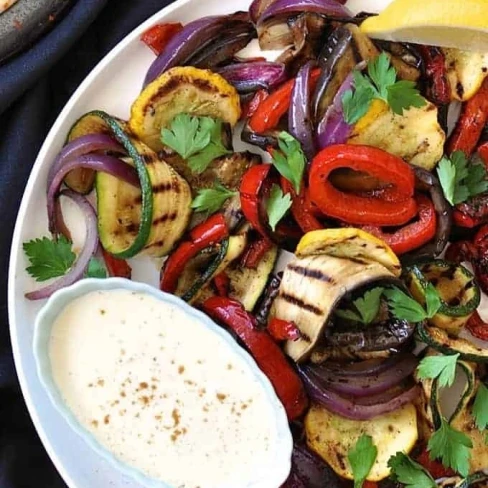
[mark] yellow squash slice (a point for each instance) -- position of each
(182, 90)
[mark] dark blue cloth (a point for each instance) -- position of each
(33, 89)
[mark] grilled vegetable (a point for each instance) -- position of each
(456, 286)
(465, 71)
(415, 136)
(439, 340)
(332, 436)
(182, 90)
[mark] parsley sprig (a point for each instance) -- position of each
(441, 367)
(379, 83)
(196, 139)
(211, 199)
(361, 458)
(461, 180)
(367, 307)
(410, 473)
(290, 160)
(480, 407)
(277, 205)
(452, 447)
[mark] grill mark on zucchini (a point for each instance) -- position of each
(165, 218)
(311, 273)
(161, 188)
(300, 303)
(155, 244)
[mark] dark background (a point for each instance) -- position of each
(34, 87)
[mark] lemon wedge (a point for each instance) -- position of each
(461, 24)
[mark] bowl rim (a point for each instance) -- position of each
(281, 465)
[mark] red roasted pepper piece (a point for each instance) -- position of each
(255, 252)
(439, 91)
(267, 354)
(282, 330)
(435, 468)
(270, 110)
(222, 284)
(463, 220)
(302, 208)
(414, 235)
(250, 108)
(483, 152)
(370, 484)
(355, 209)
(116, 267)
(471, 122)
(460, 251)
(158, 36)
(208, 233)
(477, 327)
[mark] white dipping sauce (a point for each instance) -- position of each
(162, 392)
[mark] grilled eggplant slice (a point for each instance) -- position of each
(182, 90)
(415, 136)
(311, 288)
(466, 72)
(332, 437)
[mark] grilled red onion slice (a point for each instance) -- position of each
(97, 162)
(248, 77)
(89, 249)
(299, 120)
(363, 386)
(345, 407)
(81, 146)
(368, 367)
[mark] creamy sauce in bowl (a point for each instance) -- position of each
(163, 392)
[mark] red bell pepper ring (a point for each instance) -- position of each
(158, 36)
(222, 284)
(439, 91)
(470, 125)
(208, 233)
(414, 235)
(250, 108)
(270, 110)
(267, 354)
(253, 187)
(255, 253)
(302, 208)
(355, 209)
(118, 268)
(283, 330)
(435, 468)
(477, 327)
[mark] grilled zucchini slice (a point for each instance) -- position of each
(182, 90)
(332, 437)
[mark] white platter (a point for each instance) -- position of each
(111, 86)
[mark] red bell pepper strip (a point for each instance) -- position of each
(253, 186)
(471, 122)
(208, 233)
(414, 235)
(435, 468)
(439, 90)
(250, 108)
(483, 152)
(463, 220)
(255, 252)
(477, 327)
(267, 354)
(282, 330)
(270, 110)
(158, 36)
(222, 284)
(302, 208)
(116, 267)
(355, 209)
(370, 484)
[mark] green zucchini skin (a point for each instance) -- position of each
(454, 283)
(439, 340)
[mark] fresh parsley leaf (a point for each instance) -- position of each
(432, 300)
(480, 407)
(277, 205)
(380, 83)
(441, 367)
(211, 199)
(410, 473)
(459, 179)
(368, 307)
(49, 258)
(451, 447)
(361, 458)
(95, 269)
(290, 160)
(404, 307)
(196, 139)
